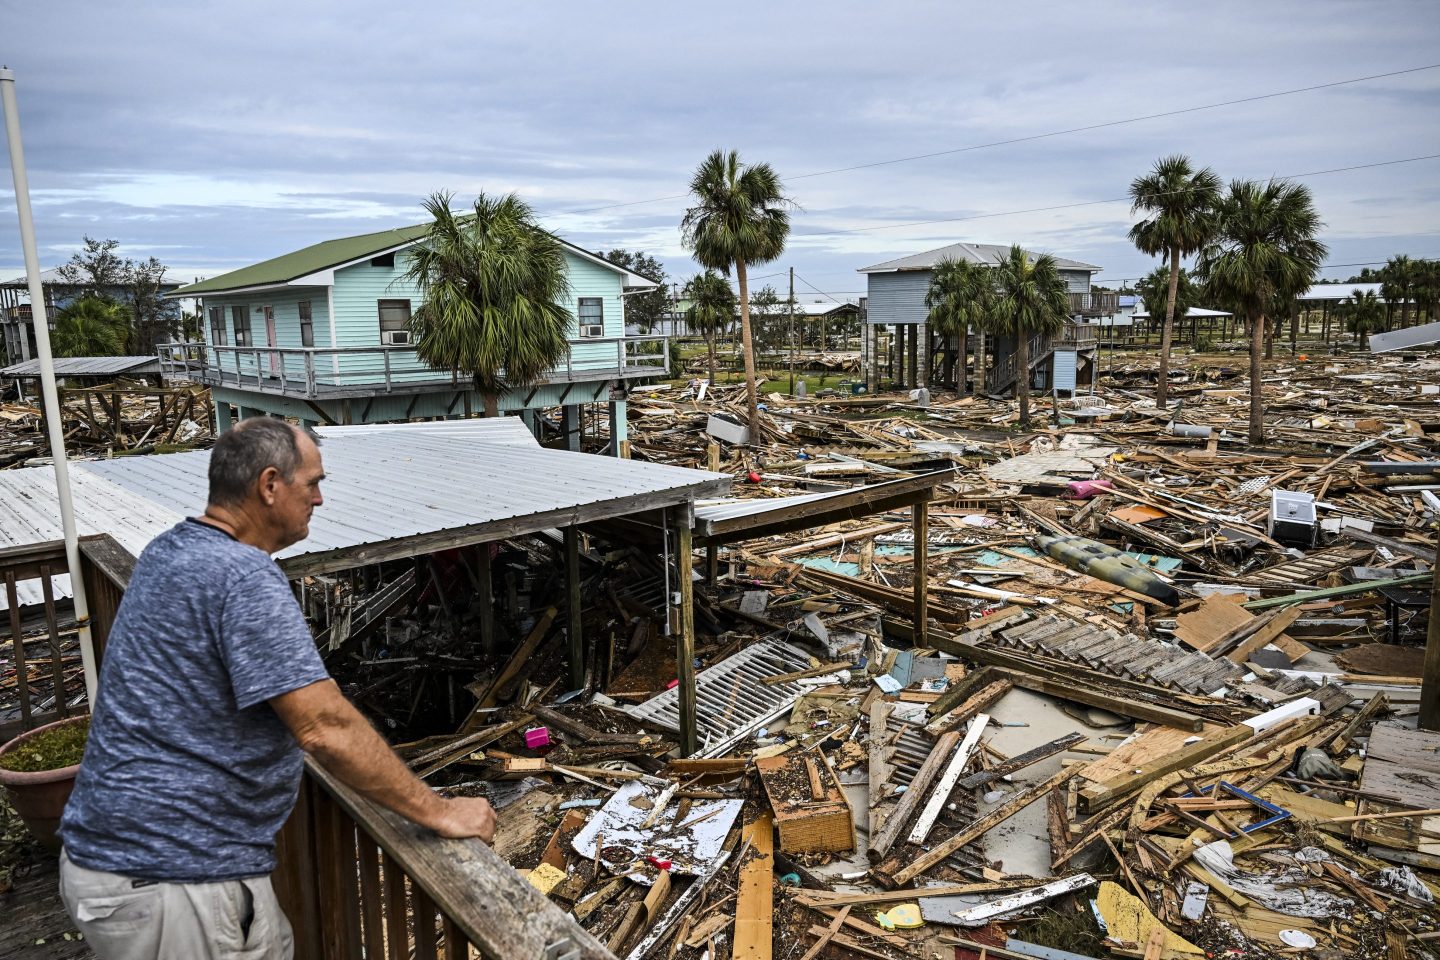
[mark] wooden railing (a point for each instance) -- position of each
(40, 662)
(358, 881)
(1096, 303)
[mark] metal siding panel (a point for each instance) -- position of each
(383, 484)
(1076, 281)
(1064, 378)
(898, 297)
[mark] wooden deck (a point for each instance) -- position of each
(35, 922)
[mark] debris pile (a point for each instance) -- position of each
(113, 418)
(1164, 704)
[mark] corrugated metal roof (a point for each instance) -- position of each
(382, 483)
(1141, 313)
(1340, 291)
(86, 367)
(988, 254)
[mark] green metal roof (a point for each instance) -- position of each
(291, 266)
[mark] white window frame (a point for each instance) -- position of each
(590, 329)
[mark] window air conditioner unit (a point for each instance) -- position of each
(395, 338)
(592, 330)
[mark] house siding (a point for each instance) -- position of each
(1064, 370)
(1076, 281)
(898, 297)
(356, 294)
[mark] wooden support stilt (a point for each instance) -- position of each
(576, 639)
(685, 639)
(486, 599)
(920, 521)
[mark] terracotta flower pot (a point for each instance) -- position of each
(39, 797)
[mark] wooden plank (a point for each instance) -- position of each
(574, 604)
(982, 700)
(937, 853)
(879, 769)
(919, 516)
(496, 908)
(1097, 795)
(755, 897)
(517, 662)
(397, 909)
(946, 783)
(685, 641)
(1021, 761)
(881, 843)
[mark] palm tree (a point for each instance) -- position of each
(1155, 288)
(961, 296)
(1180, 203)
(1363, 313)
(1264, 249)
(1030, 300)
(91, 327)
(739, 219)
(1397, 283)
(712, 307)
(495, 289)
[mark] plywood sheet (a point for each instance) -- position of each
(1404, 764)
(1151, 743)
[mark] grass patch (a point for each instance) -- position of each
(51, 750)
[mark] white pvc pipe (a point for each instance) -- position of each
(50, 396)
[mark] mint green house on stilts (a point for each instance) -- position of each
(320, 335)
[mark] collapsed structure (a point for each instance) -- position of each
(923, 684)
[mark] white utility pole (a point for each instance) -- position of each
(51, 396)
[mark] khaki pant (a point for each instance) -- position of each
(233, 920)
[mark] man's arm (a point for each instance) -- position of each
(330, 729)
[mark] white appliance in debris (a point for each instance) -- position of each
(1292, 518)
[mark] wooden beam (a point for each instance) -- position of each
(978, 829)
(755, 898)
(880, 843)
(1430, 682)
(920, 524)
(575, 636)
(946, 784)
(685, 639)
(485, 597)
(1099, 794)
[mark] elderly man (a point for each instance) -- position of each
(210, 690)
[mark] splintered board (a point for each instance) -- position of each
(1404, 764)
(810, 806)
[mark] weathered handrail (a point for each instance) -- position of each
(357, 880)
(41, 680)
(311, 372)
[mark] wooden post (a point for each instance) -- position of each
(712, 564)
(920, 521)
(685, 640)
(1430, 685)
(486, 599)
(572, 601)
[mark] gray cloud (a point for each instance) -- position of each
(215, 135)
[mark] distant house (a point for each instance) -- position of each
(320, 334)
(896, 306)
(17, 331)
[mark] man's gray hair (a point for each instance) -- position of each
(243, 452)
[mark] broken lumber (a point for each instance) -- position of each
(755, 899)
(893, 878)
(1021, 761)
(880, 843)
(1099, 794)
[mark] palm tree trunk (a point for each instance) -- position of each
(979, 360)
(752, 402)
(1167, 332)
(1022, 376)
(710, 342)
(1258, 325)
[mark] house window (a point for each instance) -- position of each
(592, 317)
(307, 324)
(217, 327)
(384, 260)
(394, 318)
(240, 317)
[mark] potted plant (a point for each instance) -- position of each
(38, 770)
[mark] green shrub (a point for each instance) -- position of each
(51, 750)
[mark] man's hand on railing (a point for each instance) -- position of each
(467, 817)
(335, 734)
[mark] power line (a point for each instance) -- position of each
(1091, 203)
(812, 286)
(1054, 133)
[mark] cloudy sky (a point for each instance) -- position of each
(217, 135)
